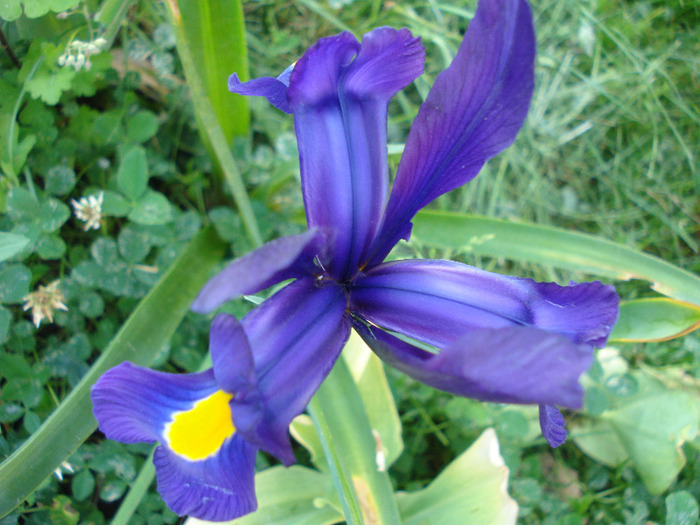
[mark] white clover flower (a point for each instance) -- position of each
(89, 209)
(77, 54)
(43, 302)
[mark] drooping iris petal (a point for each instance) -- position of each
(438, 302)
(339, 92)
(203, 467)
(273, 89)
(219, 488)
(278, 260)
(515, 364)
(473, 112)
(296, 335)
(133, 404)
(552, 425)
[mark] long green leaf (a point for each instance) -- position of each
(554, 247)
(471, 489)
(140, 339)
(210, 125)
(215, 34)
(655, 319)
(289, 496)
(349, 446)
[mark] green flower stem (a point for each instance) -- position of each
(346, 435)
(211, 127)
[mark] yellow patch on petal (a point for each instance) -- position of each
(199, 432)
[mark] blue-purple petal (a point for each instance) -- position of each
(339, 92)
(132, 404)
(231, 356)
(437, 302)
(296, 336)
(219, 488)
(552, 425)
(278, 260)
(516, 364)
(273, 89)
(474, 111)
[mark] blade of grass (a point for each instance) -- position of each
(136, 492)
(343, 426)
(553, 247)
(139, 340)
(210, 126)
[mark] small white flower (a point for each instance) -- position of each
(89, 209)
(43, 302)
(63, 466)
(77, 53)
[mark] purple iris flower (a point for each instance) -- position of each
(496, 338)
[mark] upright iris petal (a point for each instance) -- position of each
(473, 112)
(339, 92)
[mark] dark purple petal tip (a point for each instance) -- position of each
(273, 89)
(585, 312)
(552, 425)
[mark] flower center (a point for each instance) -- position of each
(199, 432)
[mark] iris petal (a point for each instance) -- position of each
(218, 488)
(552, 425)
(474, 111)
(517, 364)
(278, 260)
(340, 112)
(133, 404)
(273, 89)
(231, 355)
(438, 302)
(296, 335)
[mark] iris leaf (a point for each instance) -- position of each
(215, 34)
(368, 372)
(554, 247)
(140, 339)
(655, 319)
(346, 434)
(291, 496)
(210, 124)
(473, 485)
